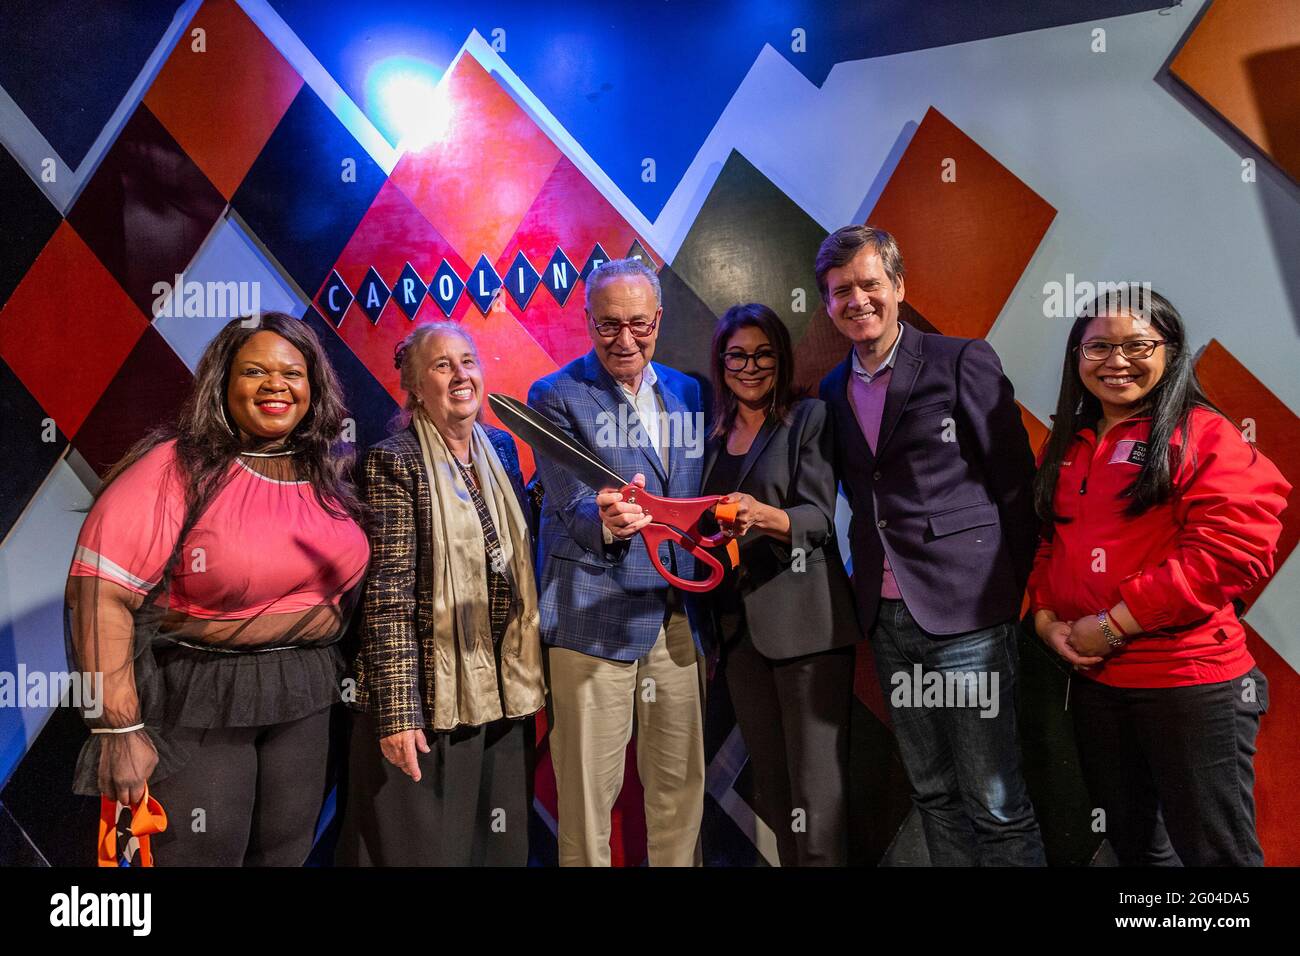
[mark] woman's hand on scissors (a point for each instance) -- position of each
(756, 516)
(623, 518)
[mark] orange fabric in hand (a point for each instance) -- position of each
(147, 818)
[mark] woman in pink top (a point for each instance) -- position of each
(211, 583)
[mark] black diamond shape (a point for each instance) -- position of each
(29, 221)
(368, 402)
(446, 288)
(638, 251)
(372, 295)
(521, 280)
(147, 209)
(331, 299)
(689, 346)
(409, 291)
(68, 69)
(295, 199)
(560, 276)
(781, 242)
(482, 284)
(146, 392)
(28, 456)
(598, 255)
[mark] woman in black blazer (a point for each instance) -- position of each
(786, 616)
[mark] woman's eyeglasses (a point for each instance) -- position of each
(1133, 349)
(609, 329)
(735, 360)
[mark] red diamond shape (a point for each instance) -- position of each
(1277, 761)
(965, 243)
(476, 182)
(571, 213)
(67, 329)
(222, 103)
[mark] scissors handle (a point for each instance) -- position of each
(655, 534)
(670, 515)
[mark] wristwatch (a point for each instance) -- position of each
(1113, 639)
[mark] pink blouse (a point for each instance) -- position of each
(262, 546)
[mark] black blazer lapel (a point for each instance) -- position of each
(711, 449)
(715, 446)
(846, 420)
(756, 449)
(907, 364)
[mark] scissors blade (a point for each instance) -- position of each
(546, 439)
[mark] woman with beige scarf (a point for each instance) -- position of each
(450, 659)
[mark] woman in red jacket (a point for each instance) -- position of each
(1158, 516)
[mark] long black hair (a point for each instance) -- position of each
(783, 393)
(1169, 403)
(207, 443)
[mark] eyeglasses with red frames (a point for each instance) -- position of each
(610, 329)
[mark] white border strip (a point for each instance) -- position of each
(94, 559)
(318, 78)
(31, 149)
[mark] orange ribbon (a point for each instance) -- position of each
(725, 513)
(147, 818)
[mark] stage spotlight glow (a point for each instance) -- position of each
(409, 102)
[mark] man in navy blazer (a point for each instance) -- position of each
(936, 465)
(623, 644)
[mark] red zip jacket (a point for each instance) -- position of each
(1177, 566)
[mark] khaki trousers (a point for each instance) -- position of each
(595, 703)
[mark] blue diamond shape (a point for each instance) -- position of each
(409, 291)
(332, 299)
(560, 276)
(522, 280)
(598, 255)
(446, 287)
(372, 295)
(482, 284)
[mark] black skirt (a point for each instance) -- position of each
(470, 807)
(203, 688)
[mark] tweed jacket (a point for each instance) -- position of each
(393, 685)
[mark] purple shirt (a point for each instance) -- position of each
(867, 396)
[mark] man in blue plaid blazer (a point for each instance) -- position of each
(623, 644)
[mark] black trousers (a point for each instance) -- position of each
(248, 796)
(470, 807)
(1173, 769)
(794, 715)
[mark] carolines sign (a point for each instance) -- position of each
(445, 287)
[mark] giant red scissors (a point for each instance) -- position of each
(675, 519)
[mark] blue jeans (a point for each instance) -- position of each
(958, 738)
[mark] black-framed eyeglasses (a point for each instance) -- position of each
(610, 329)
(1099, 351)
(735, 360)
